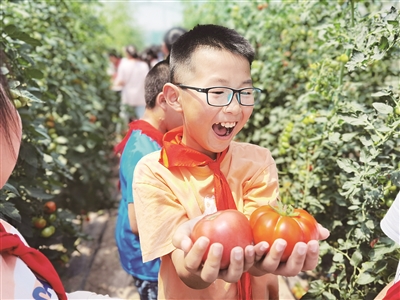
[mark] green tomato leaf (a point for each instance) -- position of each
(8, 209)
(365, 278)
(356, 258)
(11, 188)
(38, 193)
(382, 108)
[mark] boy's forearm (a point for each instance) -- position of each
(191, 280)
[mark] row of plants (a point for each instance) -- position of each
(331, 117)
(56, 68)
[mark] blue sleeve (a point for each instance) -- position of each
(137, 146)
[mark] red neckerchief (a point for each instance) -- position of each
(393, 292)
(176, 154)
(34, 259)
(146, 128)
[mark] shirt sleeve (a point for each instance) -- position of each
(158, 211)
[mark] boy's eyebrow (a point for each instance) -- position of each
(224, 82)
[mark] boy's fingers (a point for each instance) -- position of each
(194, 256)
(312, 256)
(249, 257)
(295, 261)
(261, 250)
(273, 258)
(323, 232)
(210, 270)
(235, 268)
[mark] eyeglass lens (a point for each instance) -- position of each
(222, 96)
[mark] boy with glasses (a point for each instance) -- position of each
(200, 170)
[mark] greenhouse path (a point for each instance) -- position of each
(96, 266)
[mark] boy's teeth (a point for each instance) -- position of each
(228, 125)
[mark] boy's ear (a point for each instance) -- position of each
(172, 96)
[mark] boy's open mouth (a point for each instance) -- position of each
(224, 129)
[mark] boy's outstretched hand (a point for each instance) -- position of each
(258, 259)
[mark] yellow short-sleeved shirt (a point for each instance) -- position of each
(166, 198)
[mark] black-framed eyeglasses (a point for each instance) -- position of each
(222, 95)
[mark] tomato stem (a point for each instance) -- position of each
(284, 209)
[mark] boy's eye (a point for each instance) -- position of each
(217, 91)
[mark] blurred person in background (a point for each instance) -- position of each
(170, 37)
(151, 55)
(114, 59)
(130, 78)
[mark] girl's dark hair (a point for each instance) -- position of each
(131, 50)
(7, 108)
(172, 35)
(154, 82)
(207, 36)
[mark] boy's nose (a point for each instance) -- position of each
(234, 107)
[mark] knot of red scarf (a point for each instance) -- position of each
(34, 259)
(176, 154)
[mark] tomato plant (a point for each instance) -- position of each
(269, 223)
(333, 51)
(229, 227)
(50, 207)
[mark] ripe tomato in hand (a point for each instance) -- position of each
(293, 225)
(230, 227)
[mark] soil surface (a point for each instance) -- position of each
(96, 266)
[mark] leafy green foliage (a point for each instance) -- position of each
(330, 116)
(119, 20)
(57, 74)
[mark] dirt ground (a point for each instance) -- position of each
(96, 267)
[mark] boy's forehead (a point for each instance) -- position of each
(211, 60)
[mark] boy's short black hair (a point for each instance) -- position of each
(207, 36)
(172, 35)
(154, 82)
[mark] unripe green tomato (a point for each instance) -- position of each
(284, 138)
(17, 103)
(303, 149)
(311, 118)
(397, 110)
(285, 145)
(306, 121)
(48, 231)
(389, 202)
(289, 126)
(344, 58)
(52, 217)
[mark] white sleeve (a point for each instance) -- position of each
(390, 223)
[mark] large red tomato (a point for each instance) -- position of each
(228, 227)
(293, 225)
